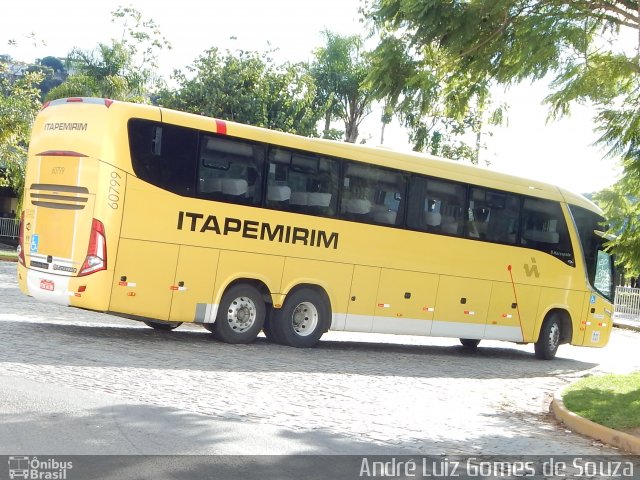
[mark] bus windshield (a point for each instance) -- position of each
(599, 263)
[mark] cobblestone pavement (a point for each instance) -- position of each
(428, 396)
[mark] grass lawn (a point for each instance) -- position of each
(10, 255)
(610, 400)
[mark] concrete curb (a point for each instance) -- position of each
(621, 440)
(627, 325)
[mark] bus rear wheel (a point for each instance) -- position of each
(165, 326)
(302, 320)
(272, 336)
(240, 315)
(469, 342)
(549, 340)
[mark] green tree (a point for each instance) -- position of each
(577, 45)
(340, 70)
(247, 87)
(108, 71)
(446, 113)
(19, 104)
(55, 64)
(124, 69)
(54, 73)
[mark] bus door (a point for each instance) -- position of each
(144, 274)
(193, 285)
(512, 312)
(595, 323)
(362, 299)
(461, 307)
(405, 302)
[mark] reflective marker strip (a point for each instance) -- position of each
(221, 127)
(127, 284)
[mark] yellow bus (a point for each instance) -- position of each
(169, 217)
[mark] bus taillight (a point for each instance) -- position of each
(97, 252)
(21, 240)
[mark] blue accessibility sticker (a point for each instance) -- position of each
(593, 299)
(35, 239)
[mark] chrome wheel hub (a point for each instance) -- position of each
(241, 314)
(305, 319)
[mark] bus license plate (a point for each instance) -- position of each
(47, 285)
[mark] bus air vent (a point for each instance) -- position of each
(60, 197)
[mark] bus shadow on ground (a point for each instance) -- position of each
(142, 347)
(143, 430)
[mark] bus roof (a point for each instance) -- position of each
(409, 161)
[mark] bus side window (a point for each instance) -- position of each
(230, 170)
(164, 155)
(493, 216)
(436, 206)
(544, 228)
(303, 183)
(372, 194)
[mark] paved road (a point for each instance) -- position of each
(115, 386)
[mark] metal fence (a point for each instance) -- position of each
(9, 227)
(627, 303)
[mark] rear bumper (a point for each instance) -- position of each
(91, 292)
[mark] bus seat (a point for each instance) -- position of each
(210, 185)
(449, 225)
(318, 199)
(387, 217)
(299, 198)
(432, 219)
(234, 186)
(359, 206)
(278, 193)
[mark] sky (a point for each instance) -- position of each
(560, 152)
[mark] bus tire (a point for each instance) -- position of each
(471, 343)
(241, 314)
(549, 339)
(304, 317)
(163, 326)
(272, 336)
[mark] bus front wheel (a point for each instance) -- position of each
(240, 315)
(549, 340)
(304, 317)
(470, 343)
